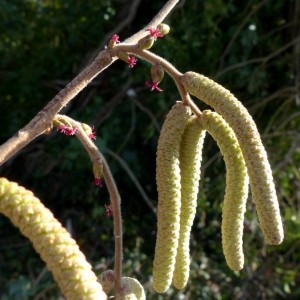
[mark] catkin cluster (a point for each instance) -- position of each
(178, 164)
(168, 181)
(259, 170)
(54, 244)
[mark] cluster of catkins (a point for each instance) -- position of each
(179, 155)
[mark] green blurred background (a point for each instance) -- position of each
(250, 47)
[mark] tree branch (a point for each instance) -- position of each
(42, 121)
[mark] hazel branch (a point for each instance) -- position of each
(43, 120)
(98, 159)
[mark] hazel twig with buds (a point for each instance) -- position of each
(100, 165)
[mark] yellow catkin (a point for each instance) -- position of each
(168, 181)
(132, 289)
(236, 191)
(259, 170)
(190, 166)
(54, 244)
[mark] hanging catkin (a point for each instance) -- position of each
(259, 170)
(169, 195)
(54, 244)
(236, 191)
(190, 165)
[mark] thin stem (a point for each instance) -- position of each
(147, 56)
(167, 66)
(115, 198)
(116, 207)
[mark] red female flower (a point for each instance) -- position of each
(67, 130)
(115, 38)
(92, 135)
(153, 85)
(108, 211)
(97, 182)
(131, 61)
(155, 32)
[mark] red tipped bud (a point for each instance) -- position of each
(114, 40)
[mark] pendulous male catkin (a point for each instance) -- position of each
(236, 191)
(54, 244)
(259, 170)
(168, 181)
(190, 165)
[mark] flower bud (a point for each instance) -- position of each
(123, 56)
(157, 73)
(146, 42)
(113, 41)
(107, 280)
(163, 28)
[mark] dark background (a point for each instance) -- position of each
(250, 47)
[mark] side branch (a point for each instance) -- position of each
(42, 121)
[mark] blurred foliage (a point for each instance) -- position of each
(252, 49)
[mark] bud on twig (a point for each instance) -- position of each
(157, 73)
(163, 28)
(146, 42)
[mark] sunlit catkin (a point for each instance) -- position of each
(168, 181)
(259, 170)
(236, 191)
(54, 244)
(132, 289)
(190, 166)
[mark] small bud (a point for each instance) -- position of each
(123, 56)
(163, 28)
(107, 280)
(157, 73)
(146, 42)
(89, 131)
(97, 171)
(114, 40)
